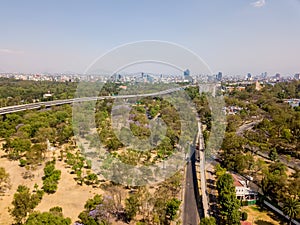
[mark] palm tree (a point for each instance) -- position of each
(291, 208)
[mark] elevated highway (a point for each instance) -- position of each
(31, 106)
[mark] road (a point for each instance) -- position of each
(193, 207)
(247, 126)
(190, 208)
(18, 108)
(192, 204)
(292, 164)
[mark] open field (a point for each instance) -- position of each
(258, 216)
(69, 195)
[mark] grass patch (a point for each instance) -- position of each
(255, 208)
(262, 222)
(259, 216)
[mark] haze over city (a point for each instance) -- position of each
(148, 112)
(235, 37)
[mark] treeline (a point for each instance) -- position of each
(140, 206)
(277, 131)
(139, 118)
(24, 202)
(15, 92)
(27, 135)
(276, 134)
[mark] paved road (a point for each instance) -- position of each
(247, 126)
(294, 163)
(193, 207)
(190, 208)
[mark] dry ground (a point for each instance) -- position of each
(70, 196)
(258, 216)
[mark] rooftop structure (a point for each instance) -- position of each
(242, 189)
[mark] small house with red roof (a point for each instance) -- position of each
(242, 190)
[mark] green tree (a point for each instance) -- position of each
(291, 208)
(172, 207)
(219, 170)
(95, 212)
(23, 203)
(228, 202)
(93, 202)
(131, 207)
(273, 155)
(51, 178)
(4, 179)
(274, 181)
(54, 216)
(208, 221)
(91, 178)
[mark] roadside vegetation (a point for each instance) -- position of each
(275, 135)
(29, 136)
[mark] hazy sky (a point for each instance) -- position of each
(233, 36)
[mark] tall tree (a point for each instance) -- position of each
(54, 216)
(208, 221)
(4, 180)
(131, 206)
(24, 202)
(291, 208)
(228, 202)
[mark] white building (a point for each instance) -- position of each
(242, 190)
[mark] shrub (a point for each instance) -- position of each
(244, 216)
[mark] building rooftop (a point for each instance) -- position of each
(237, 181)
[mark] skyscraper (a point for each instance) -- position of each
(219, 76)
(249, 76)
(186, 73)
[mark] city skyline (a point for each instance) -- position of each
(235, 37)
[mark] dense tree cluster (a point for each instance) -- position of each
(51, 177)
(54, 216)
(27, 134)
(95, 212)
(201, 104)
(208, 221)
(81, 167)
(15, 92)
(276, 136)
(138, 206)
(24, 202)
(278, 129)
(140, 114)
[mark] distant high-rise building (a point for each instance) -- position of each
(186, 73)
(150, 79)
(219, 76)
(297, 76)
(249, 76)
(278, 76)
(264, 75)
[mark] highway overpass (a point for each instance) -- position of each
(24, 107)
